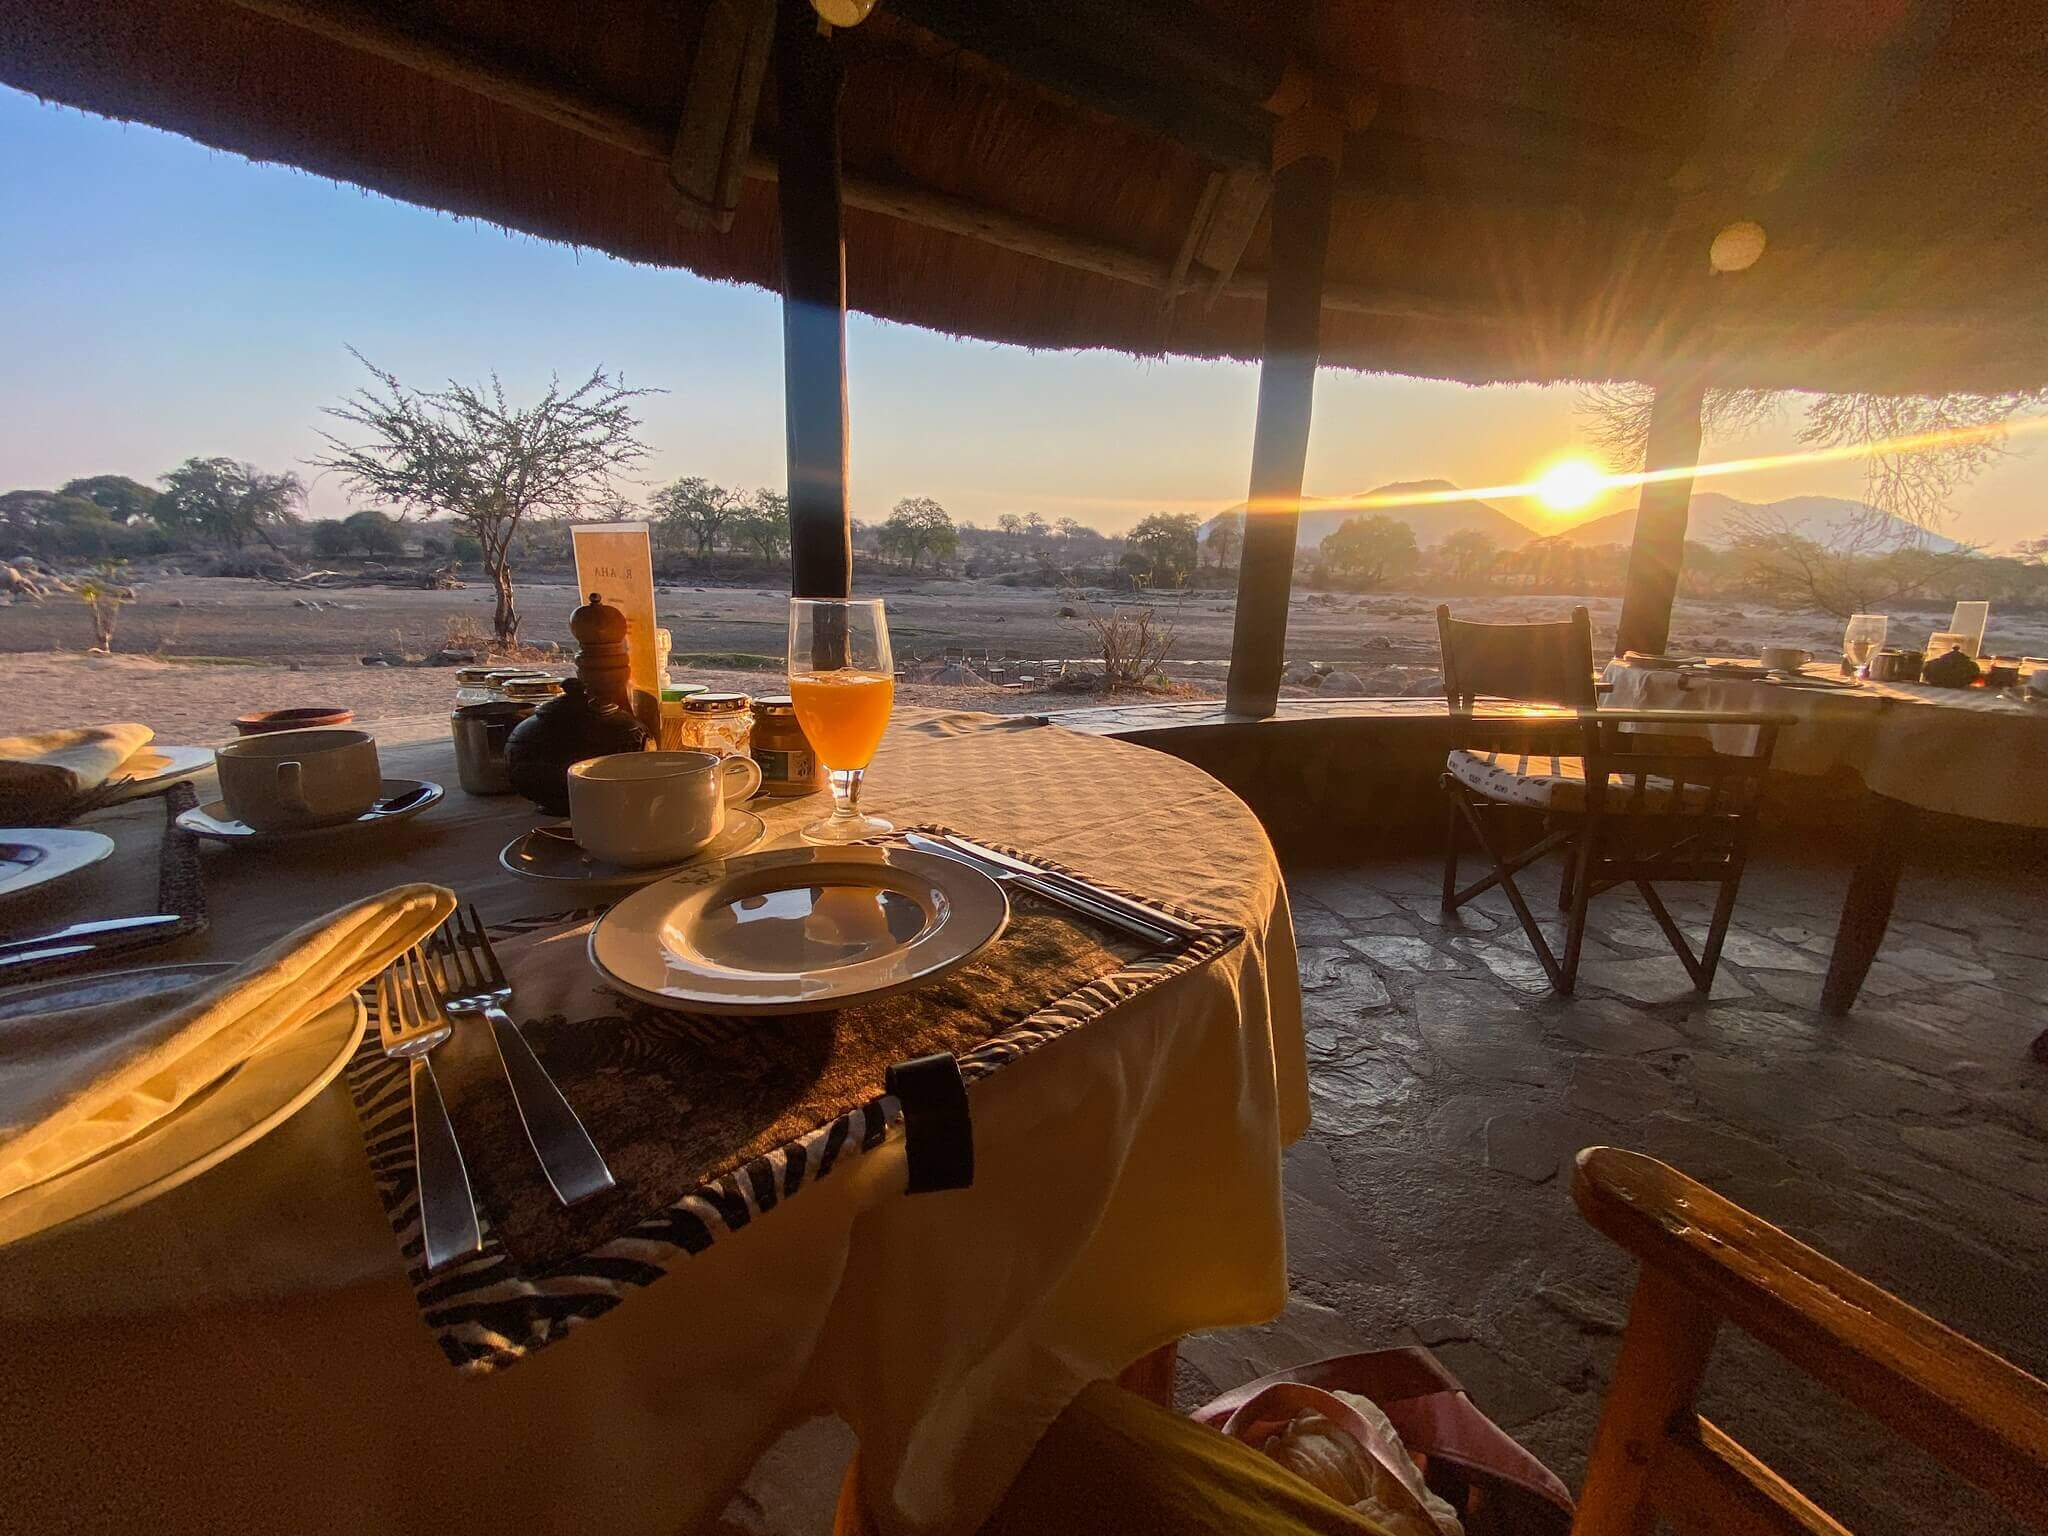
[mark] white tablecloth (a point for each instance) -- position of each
(244, 1352)
(1961, 750)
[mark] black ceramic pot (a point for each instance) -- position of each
(562, 731)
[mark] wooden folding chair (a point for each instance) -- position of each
(1627, 797)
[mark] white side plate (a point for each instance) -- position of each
(32, 856)
(154, 767)
(207, 1129)
(795, 929)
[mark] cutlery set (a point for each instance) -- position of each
(456, 973)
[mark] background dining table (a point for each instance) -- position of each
(1960, 751)
(244, 1351)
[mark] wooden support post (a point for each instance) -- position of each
(1659, 547)
(808, 77)
(1306, 148)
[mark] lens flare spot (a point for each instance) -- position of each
(1569, 484)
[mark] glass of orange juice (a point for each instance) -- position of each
(843, 681)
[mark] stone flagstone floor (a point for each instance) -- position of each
(1429, 1202)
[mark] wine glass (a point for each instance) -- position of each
(1863, 639)
(843, 681)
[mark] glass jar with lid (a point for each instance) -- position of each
(788, 765)
(473, 685)
(530, 688)
(715, 722)
(672, 696)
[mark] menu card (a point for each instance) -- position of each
(616, 561)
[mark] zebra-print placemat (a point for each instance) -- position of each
(707, 1123)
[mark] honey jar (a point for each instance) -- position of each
(788, 765)
(715, 722)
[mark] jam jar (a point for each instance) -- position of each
(788, 765)
(717, 722)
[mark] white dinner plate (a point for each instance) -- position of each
(551, 853)
(32, 856)
(153, 767)
(397, 799)
(793, 929)
(207, 1129)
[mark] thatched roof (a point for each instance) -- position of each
(1532, 199)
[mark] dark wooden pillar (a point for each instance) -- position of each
(808, 77)
(1659, 547)
(1306, 148)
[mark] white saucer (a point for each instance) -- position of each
(795, 929)
(550, 853)
(32, 856)
(153, 767)
(397, 799)
(207, 1129)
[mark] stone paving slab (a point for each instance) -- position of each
(1429, 1201)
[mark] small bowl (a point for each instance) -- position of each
(264, 721)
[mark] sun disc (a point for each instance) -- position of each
(1569, 484)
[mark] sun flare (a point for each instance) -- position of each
(1569, 484)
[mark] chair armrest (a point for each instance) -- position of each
(1983, 1416)
(1676, 717)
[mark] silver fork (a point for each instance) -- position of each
(410, 1024)
(470, 980)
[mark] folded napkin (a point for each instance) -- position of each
(43, 772)
(79, 1080)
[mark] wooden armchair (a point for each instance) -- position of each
(1705, 1262)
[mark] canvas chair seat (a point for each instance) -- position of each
(1544, 781)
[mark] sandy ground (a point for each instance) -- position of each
(195, 652)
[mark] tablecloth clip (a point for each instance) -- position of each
(938, 1130)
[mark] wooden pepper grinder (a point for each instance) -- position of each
(590, 719)
(602, 661)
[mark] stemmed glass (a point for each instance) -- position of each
(843, 681)
(1863, 639)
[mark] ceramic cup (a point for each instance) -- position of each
(637, 809)
(286, 779)
(1785, 658)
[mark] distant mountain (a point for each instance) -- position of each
(1433, 522)
(1716, 519)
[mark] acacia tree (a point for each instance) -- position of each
(693, 505)
(919, 526)
(763, 523)
(1370, 550)
(1918, 449)
(228, 501)
(1225, 539)
(469, 452)
(1166, 541)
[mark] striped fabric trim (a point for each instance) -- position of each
(487, 1315)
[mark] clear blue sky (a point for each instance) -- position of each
(159, 300)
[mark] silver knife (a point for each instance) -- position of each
(1079, 901)
(1137, 911)
(64, 936)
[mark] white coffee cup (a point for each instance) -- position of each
(1785, 658)
(643, 808)
(288, 779)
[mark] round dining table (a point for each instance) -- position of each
(245, 1351)
(1971, 752)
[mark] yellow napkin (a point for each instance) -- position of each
(78, 1081)
(43, 772)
